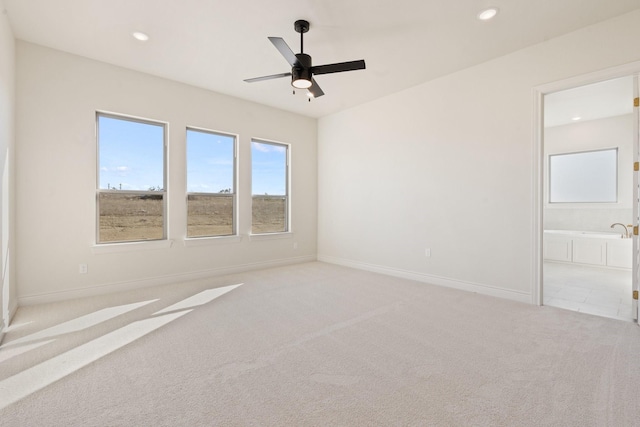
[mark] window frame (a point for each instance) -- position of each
(164, 192)
(234, 193)
(287, 209)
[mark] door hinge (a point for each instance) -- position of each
(636, 102)
(635, 230)
(635, 294)
(636, 166)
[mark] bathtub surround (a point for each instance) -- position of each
(319, 344)
(592, 248)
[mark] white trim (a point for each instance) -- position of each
(109, 248)
(479, 288)
(270, 236)
(538, 93)
(109, 288)
(585, 79)
(211, 240)
(537, 192)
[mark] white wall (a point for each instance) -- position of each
(8, 301)
(448, 165)
(57, 98)
(611, 132)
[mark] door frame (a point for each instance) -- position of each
(538, 93)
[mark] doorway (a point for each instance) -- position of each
(587, 195)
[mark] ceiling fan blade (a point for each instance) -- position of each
(315, 89)
(273, 76)
(338, 67)
(284, 49)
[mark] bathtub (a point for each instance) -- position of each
(595, 248)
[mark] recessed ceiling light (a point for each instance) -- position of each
(138, 35)
(576, 118)
(487, 14)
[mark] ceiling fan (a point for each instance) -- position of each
(302, 71)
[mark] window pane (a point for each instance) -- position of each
(131, 154)
(209, 215)
(269, 187)
(131, 180)
(210, 162)
(584, 177)
(269, 214)
(210, 170)
(125, 217)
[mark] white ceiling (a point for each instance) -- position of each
(595, 101)
(215, 44)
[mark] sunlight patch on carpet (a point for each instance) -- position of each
(31, 380)
(78, 324)
(201, 298)
(8, 353)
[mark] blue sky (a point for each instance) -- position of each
(210, 162)
(130, 154)
(269, 166)
(131, 159)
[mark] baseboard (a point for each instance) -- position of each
(479, 288)
(110, 288)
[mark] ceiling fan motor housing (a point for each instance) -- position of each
(301, 69)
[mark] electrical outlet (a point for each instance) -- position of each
(83, 269)
(427, 252)
(295, 245)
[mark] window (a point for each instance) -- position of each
(584, 177)
(131, 179)
(211, 191)
(269, 187)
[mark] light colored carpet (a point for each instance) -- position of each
(315, 345)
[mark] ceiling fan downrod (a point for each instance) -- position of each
(301, 26)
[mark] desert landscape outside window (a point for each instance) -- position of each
(269, 187)
(211, 194)
(131, 186)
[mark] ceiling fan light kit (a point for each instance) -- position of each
(301, 76)
(302, 70)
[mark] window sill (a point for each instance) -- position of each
(209, 241)
(108, 248)
(271, 236)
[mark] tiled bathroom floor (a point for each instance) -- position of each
(593, 290)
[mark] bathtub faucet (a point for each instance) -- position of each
(626, 230)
